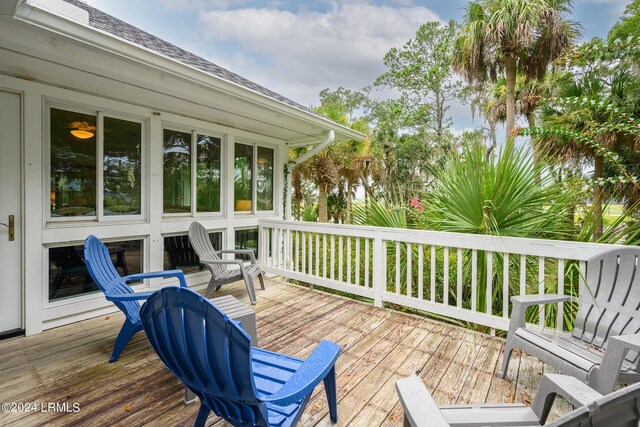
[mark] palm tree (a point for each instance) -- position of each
(509, 36)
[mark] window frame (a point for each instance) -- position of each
(99, 217)
(194, 131)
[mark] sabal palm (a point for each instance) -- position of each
(507, 36)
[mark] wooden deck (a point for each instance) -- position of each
(380, 346)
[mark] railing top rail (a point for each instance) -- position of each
(535, 247)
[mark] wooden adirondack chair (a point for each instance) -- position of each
(212, 355)
(618, 409)
(211, 259)
(116, 289)
(603, 347)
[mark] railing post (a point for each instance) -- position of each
(379, 272)
(262, 255)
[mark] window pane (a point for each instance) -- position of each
(265, 179)
(177, 171)
(68, 274)
(243, 177)
(247, 239)
(73, 164)
(178, 253)
(208, 185)
(122, 166)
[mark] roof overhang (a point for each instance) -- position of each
(58, 17)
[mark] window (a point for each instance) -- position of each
(68, 274)
(178, 253)
(76, 169)
(247, 239)
(180, 185)
(242, 182)
(250, 158)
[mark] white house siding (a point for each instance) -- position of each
(44, 69)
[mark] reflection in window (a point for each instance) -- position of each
(178, 253)
(73, 163)
(208, 174)
(177, 172)
(122, 166)
(264, 184)
(247, 239)
(243, 165)
(68, 274)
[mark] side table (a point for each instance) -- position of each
(236, 310)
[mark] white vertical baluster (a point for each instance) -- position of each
(397, 267)
(317, 251)
(420, 272)
(459, 287)
(523, 274)
(366, 263)
(274, 248)
(296, 260)
(541, 287)
(348, 260)
(409, 268)
(357, 281)
(380, 260)
(310, 255)
(333, 257)
(304, 252)
(474, 280)
(560, 320)
(505, 285)
(432, 296)
(340, 257)
(445, 287)
(489, 295)
(324, 256)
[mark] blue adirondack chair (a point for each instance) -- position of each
(211, 354)
(116, 289)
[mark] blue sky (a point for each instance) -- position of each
(297, 48)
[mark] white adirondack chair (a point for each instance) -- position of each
(618, 409)
(210, 258)
(603, 347)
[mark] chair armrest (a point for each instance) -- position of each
(575, 391)
(419, 407)
(249, 252)
(614, 354)
(308, 376)
(223, 262)
(153, 274)
(129, 297)
(521, 303)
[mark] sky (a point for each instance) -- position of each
(298, 48)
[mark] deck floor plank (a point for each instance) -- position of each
(379, 346)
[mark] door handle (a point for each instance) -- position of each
(11, 227)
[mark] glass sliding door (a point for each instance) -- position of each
(243, 179)
(264, 178)
(208, 174)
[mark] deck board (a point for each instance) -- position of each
(379, 346)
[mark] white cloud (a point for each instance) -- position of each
(299, 53)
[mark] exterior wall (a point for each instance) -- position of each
(39, 234)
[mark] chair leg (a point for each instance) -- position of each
(506, 356)
(126, 332)
(332, 398)
(261, 278)
(211, 287)
(250, 289)
(203, 413)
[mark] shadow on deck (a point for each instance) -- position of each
(379, 346)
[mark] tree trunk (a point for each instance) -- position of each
(349, 203)
(531, 120)
(296, 181)
(510, 74)
(597, 196)
(322, 203)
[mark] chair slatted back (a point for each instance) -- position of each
(105, 275)
(180, 251)
(206, 350)
(618, 409)
(201, 243)
(610, 298)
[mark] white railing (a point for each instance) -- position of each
(448, 274)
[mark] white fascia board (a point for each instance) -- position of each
(32, 13)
